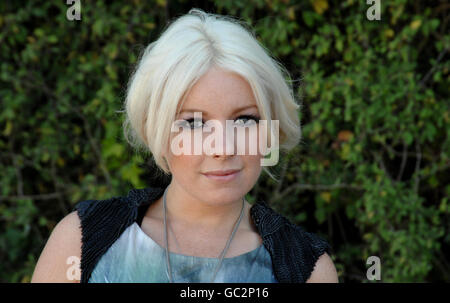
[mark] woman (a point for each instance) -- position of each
(197, 227)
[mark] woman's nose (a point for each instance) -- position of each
(224, 141)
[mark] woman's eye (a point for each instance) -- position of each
(247, 119)
(194, 123)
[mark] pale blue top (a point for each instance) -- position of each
(136, 258)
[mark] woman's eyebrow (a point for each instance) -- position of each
(206, 113)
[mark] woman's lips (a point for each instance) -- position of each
(227, 177)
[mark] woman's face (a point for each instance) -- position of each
(220, 96)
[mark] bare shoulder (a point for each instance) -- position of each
(324, 271)
(59, 260)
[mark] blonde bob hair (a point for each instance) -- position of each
(187, 49)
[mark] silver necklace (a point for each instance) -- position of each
(169, 270)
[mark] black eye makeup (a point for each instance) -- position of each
(248, 118)
(193, 124)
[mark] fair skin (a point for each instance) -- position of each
(324, 271)
(64, 242)
(201, 213)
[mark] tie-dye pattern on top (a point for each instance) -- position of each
(136, 258)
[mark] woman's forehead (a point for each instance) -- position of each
(219, 91)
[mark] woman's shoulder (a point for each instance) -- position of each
(271, 222)
(59, 260)
(295, 250)
(102, 221)
(126, 205)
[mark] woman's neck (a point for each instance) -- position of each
(192, 213)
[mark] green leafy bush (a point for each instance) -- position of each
(371, 174)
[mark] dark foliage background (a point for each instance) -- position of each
(371, 174)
